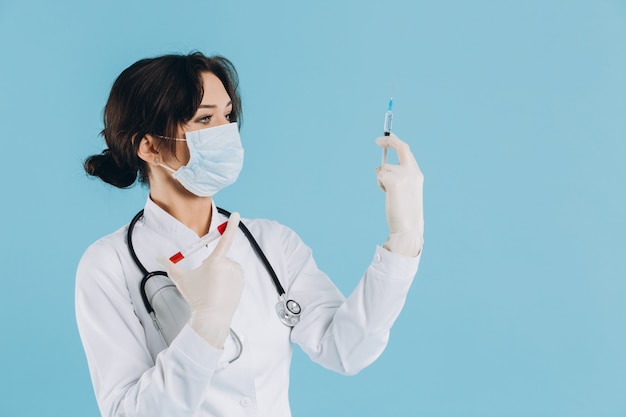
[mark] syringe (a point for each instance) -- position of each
(387, 127)
(203, 241)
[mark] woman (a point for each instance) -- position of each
(171, 123)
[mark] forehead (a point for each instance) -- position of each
(214, 91)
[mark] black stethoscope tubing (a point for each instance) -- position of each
(147, 275)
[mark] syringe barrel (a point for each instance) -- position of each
(388, 120)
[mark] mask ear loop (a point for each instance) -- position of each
(172, 170)
(157, 160)
(168, 138)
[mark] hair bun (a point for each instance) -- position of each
(105, 167)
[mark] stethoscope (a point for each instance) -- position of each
(288, 311)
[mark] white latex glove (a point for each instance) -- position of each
(212, 290)
(403, 185)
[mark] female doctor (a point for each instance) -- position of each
(172, 123)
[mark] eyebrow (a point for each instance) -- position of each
(212, 106)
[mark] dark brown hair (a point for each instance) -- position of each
(154, 96)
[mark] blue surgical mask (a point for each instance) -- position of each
(215, 160)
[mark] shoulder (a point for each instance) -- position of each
(273, 235)
(107, 245)
(103, 257)
(268, 229)
(266, 226)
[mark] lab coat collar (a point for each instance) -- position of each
(164, 223)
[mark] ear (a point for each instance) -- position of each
(148, 150)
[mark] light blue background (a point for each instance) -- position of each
(515, 111)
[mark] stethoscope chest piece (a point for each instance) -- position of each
(288, 311)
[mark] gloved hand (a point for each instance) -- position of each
(212, 290)
(403, 185)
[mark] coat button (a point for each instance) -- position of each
(245, 402)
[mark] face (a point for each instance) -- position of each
(214, 110)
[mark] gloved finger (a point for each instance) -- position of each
(389, 171)
(390, 175)
(226, 241)
(380, 184)
(405, 157)
(170, 267)
(382, 180)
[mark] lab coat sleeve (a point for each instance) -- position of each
(347, 335)
(126, 380)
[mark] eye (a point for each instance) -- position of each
(205, 119)
(228, 117)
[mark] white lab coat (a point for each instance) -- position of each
(135, 374)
